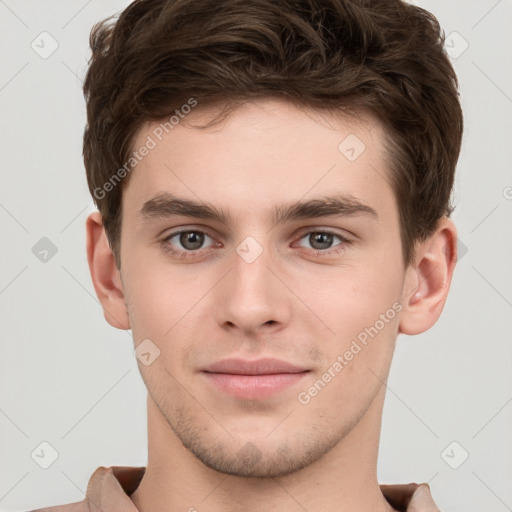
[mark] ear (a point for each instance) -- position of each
(428, 280)
(104, 273)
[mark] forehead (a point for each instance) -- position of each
(262, 154)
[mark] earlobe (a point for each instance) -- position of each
(427, 282)
(104, 273)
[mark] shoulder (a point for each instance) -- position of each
(410, 497)
(108, 490)
(77, 506)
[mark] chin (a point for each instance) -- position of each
(266, 458)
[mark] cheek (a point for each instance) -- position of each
(165, 309)
(160, 298)
(358, 361)
(361, 310)
(349, 299)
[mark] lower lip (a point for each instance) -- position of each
(253, 387)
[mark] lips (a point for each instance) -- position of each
(258, 367)
(253, 380)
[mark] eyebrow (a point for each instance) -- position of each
(166, 205)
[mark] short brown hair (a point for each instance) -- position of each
(382, 56)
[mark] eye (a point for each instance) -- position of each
(322, 242)
(188, 241)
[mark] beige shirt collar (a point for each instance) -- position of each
(109, 489)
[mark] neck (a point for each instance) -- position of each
(343, 480)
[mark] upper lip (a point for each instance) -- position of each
(267, 366)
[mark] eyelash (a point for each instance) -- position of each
(183, 254)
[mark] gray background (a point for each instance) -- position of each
(71, 380)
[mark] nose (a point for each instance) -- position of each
(251, 298)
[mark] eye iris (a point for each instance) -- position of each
(193, 238)
(324, 239)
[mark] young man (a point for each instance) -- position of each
(273, 182)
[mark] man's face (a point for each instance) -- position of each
(304, 289)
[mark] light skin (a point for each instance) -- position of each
(303, 300)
